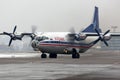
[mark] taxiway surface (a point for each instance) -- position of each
(93, 65)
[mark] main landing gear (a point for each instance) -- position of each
(51, 55)
(43, 55)
(75, 55)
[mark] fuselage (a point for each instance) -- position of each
(58, 42)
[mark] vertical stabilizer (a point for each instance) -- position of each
(95, 23)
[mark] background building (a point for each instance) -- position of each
(114, 43)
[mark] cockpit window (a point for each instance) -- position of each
(41, 38)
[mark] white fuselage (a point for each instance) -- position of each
(58, 42)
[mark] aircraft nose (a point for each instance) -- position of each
(34, 44)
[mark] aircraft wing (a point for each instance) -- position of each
(115, 34)
(95, 34)
(91, 34)
(73, 36)
(32, 35)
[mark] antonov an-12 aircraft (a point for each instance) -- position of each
(72, 43)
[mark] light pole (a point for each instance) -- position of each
(114, 28)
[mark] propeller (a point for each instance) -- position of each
(33, 28)
(74, 36)
(33, 32)
(71, 36)
(12, 35)
(19, 37)
(101, 37)
(72, 30)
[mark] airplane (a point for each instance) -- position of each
(71, 42)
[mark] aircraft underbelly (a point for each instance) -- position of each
(59, 49)
(52, 49)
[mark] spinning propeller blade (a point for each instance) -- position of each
(101, 37)
(10, 42)
(12, 35)
(14, 29)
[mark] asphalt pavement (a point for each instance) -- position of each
(93, 65)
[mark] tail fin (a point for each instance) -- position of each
(95, 23)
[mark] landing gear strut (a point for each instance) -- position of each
(75, 55)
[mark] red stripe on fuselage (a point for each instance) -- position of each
(66, 45)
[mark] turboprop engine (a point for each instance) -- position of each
(107, 37)
(80, 36)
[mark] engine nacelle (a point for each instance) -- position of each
(80, 36)
(107, 37)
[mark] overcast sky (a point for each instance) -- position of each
(57, 15)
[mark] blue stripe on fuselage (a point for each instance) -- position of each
(64, 43)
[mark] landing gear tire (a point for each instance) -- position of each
(75, 55)
(51, 55)
(43, 55)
